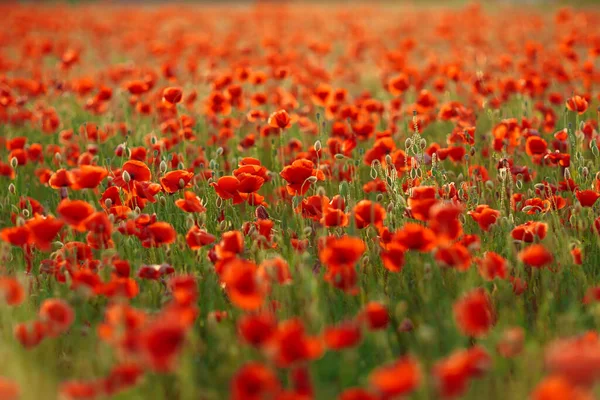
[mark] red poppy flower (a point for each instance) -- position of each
(161, 343)
(172, 95)
(176, 180)
(74, 213)
(88, 177)
(254, 381)
(587, 198)
(43, 230)
(9, 390)
(577, 359)
(300, 175)
(443, 221)
(61, 178)
(366, 213)
(492, 266)
(577, 104)
(57, 315)
(474, 313)
(398, 379)
(80, 390)
(242, 284)
(535, 145)
(30, 334)
(577, 256)
(227, 187)
(290, 345)
(536, 256)
(558, 388)
(256, 329)
(197, 238)
(420, 201)
(454, 256)
(484, 216)
(357, 394)
(340, 254)
(11, 291)
(160, 233)
(17, 236)
(413, 236)
(375, 315)
(342, 336)
(511, 343)
(190, 203)
(528, 231)
(452, 374)
(280, 119)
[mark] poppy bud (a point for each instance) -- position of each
(25, 213)
(311, 179)
(58, 157)
(126, 177)
(189, 222)
(502, 174)
(12, 189)
(307, 231)
(108, 203)
(219, 151)
(339, 156)
(388, 160)
(163, 166)
(406, 325)
(343, 188)
(317, 146)
(567, 173)
(379, 197)
(426, 334)
(14, 162)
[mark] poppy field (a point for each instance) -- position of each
(292, 202)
